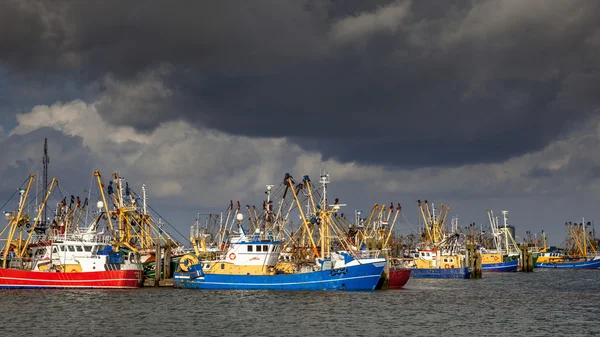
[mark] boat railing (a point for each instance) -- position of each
(91, 238)
(16, 263)
(366, 254)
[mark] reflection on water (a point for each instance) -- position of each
(544, 303)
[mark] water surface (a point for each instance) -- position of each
(543, 303)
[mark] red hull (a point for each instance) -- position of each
(15, 279)
(399, 277)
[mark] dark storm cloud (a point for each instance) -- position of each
(97, 37)
(427, 82)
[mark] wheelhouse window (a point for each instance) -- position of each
(55, 250)
(258, 248)
(265, 248)
(87, 248)
(71, 248)
(249, 248)
(79, 249)
(62, 248)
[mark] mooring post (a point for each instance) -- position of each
(157, 263)
(167, 260)
(478, 261)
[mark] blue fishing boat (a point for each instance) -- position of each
(252, 265)
(591, 264)
(263, 262)
(508, 266)
(581, 252)
(358, 277)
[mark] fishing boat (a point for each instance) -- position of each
(580, 250)
(258, 262)
(398, 275)
(249, 264)
(65, 257)
(508, 266)
(439, 253)
(504, 255)
(432, 263)
(133, 227)
(594, 263)
(373, 234)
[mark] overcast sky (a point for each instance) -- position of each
(489, 104)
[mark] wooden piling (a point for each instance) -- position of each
(478, 261)
(167, 261)
(157, 264)
(474, 260)
(525, 259)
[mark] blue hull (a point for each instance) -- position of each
(593, 264)
(360, 277)
(501, 267)
(440, 273)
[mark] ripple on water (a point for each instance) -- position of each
(543, 303)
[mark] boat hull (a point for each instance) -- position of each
(592, 264)
(509, 266)
(23, 279)
(399, 277)
(359, 277)
(460, 273)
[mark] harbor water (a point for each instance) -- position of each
(543, 303)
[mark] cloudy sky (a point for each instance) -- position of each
(479, 104)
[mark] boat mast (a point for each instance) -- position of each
(357, 214)
(323, 230)
(505, 230)
(145, 210)
(584, 237)
(45, 162)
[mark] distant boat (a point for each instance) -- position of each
(581, 252)
(439, 255)
(425, 265)
(592, 264)
(397, 275)
(504, 255)
(508, 266)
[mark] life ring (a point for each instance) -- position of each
(496, 257)
(447, 266)
(232, 256)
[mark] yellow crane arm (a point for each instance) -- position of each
(304, 220)
(15, 224)
(108, 215)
